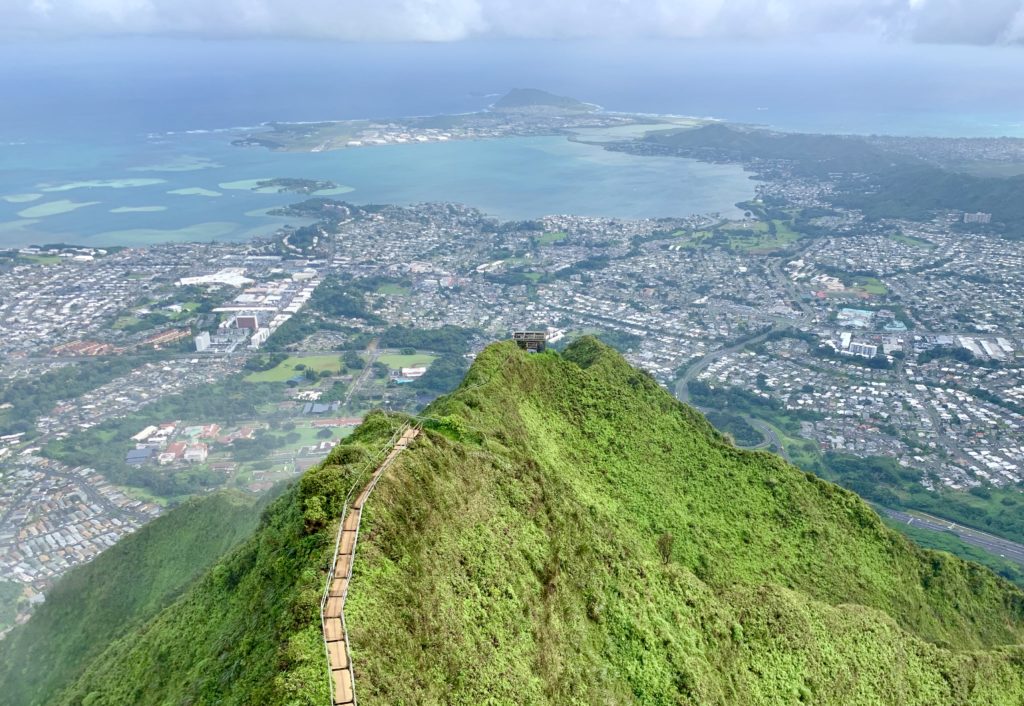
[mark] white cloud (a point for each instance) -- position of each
(966, 21)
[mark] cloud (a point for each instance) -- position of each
(956, 21)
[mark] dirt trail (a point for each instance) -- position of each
(333, 612)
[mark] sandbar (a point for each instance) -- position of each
(248, 185)
(53, 208)
(199, 232)
(195, 191)
(138, 209)
(103, 184)
(21, 198)
(335, 191)
(13, 226)
(184, 163)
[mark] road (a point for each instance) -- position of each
(683, 393)
(371, 354)
(771, 439)
(990, 543)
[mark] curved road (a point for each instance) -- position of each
(990, 543)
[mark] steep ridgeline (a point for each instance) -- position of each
(124, 586)
(565, 532)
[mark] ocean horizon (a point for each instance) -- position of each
(113, 114)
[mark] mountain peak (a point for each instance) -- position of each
(565, 531)
(535, 100)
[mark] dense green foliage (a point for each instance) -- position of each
(451, 342)
(526, 556)
(533, 97)
(446, 339)
(901, 186)
(949, 542)
(249, 631)
(124, 586)
(735, 426)
(10, 596)
(565, 532)
(443, 375)
(33, 397)
(335, 298)
(104, 446)
(882, 480)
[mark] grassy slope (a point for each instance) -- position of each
(526, 568)
(512, 556)
(125, 585)
(248, 632)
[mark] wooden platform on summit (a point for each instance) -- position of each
(333, 616)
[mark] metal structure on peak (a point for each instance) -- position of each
(531, 341)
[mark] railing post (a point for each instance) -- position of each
(373, 466)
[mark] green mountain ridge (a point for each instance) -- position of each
(565, 532)
(901, 186)
(121, 588)
(532, 99)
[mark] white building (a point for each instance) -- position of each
(203, 341)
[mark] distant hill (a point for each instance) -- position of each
(532, 99)
(904, 186)
(565, 532)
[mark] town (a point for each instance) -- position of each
(135, 377)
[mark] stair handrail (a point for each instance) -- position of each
(372, 466)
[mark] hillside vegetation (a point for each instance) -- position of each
(901, 186)
(526, 99)
(565, 532)
(124, 586)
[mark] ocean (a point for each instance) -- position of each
(125, 122)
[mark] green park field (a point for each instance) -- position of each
(286, 369)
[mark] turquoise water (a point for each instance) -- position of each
(124, 194)
(81, 110)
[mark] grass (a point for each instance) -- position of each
(784, 232)
(752, 237)
(756, 226)
(870, 285)
(565, 532)
(393, 289)
(784, 236)
(912, 241)
(143, 495)
(124, 321)
(396, 361)
(687, 240)
(286, 369)
(551, 237)
(39, 259)
(590, 541)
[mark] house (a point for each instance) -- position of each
(172, 453)
(196, 453)
(138, 457)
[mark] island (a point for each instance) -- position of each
(520, 112)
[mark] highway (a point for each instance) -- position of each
(771, 439)
(990, 543)
(683, 393)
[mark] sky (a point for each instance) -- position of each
(981, 22)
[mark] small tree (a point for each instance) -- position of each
(665, 542)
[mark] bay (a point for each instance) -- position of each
(204, 186)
